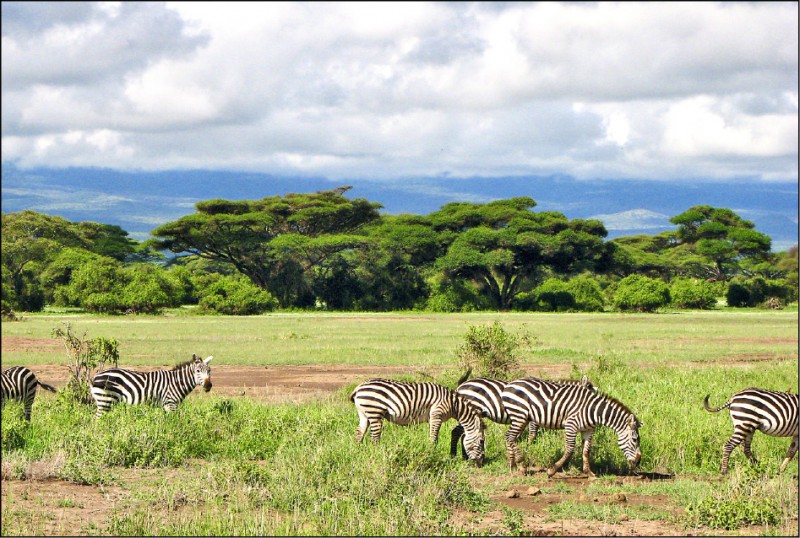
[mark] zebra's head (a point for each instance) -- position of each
(628, 440)
(470, 420)
(202, 371)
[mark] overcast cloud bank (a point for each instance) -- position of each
(669, 91)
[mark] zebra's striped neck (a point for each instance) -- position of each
(611, 413)
(184, 379)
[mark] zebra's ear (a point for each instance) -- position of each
(208, 359)
(194, 357)
(632, 422)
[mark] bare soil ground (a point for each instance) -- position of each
(63, 508)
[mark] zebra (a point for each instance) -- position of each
(166, 388)
(411, 403)
(19, 383)
(573, 408)
(751, 409)
(485, 393)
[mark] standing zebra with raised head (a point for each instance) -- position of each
(411, 403)
(485, 393)
(166, 388)
(572, 408)
(751, 409)
(19, 383)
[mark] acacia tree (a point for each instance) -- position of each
(503, 244)
(721, 238)
(273, 241)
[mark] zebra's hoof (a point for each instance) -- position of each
(550, 472)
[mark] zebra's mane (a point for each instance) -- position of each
(182, 365)
(614, 401)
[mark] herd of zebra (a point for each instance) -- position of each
(575, 406)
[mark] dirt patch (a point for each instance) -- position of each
(57, 508)
(30, 345)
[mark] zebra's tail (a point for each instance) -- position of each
(45, 386)
(714, 410)
(464, 377)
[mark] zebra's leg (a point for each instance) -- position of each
(790, 453)
(457, 438)
(746, 448)
(532, 430)
(435, 426)
(28, 404)
(513, 452)
(570, 432)
(363, 424)
(587, 447)
(375, 428)
(738, 435)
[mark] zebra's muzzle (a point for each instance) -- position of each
(207, 385)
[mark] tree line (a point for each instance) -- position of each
(324, 250)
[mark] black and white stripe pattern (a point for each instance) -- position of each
(573, 408)
(411, 403)
(166, 388)
(19, 383)
(752, 409)
(485, 393)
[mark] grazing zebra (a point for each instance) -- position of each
(573, 408)
(485, 394)
(19, 383)
(411, 403)
(751, 409)
(166, 388)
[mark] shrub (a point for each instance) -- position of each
(692, 293)
(587, 294)
(640, 293)
(737, 295)
(149, 289)
(489, 350)
(552, 296)
(236, 296)
(84, 359)
(744, 502)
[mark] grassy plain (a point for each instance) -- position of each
(231, 466)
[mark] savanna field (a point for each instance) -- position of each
(265, 453)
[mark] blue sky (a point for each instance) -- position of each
(359, 93)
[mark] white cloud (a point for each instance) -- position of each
(389, 90)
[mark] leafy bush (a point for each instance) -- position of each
(84, 359)
(149, 289)
(454, 296)
(756, 291)
(587, 294)
(737, 295)
(692, 293)
(490, 350)
(236, 296)
(552, 296)
(744, 502)
(640, 293)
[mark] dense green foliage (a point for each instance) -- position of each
(325, 251)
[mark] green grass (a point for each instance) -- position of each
(422, 339)
(250, 468)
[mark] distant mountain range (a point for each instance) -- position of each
(141, 201)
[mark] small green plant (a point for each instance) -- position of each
(490, 350)
(513, 520)
(743, 502)
(84, 359)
